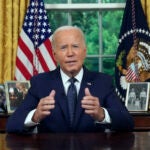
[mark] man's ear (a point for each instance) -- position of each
(54, 55)
(85, 52)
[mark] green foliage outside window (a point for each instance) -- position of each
(88, 22)
(111, 21)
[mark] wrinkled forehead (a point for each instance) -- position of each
(67, 32)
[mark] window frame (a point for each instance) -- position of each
(100, 7)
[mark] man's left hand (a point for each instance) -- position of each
(92, 106)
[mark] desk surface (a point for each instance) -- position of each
(84, 141)
(141, 121)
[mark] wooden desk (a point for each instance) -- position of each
(84, 141)
(142, 121)
(3, 120)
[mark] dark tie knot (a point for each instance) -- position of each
(72, 80)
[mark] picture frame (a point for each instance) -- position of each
(2, 99)
(15, 94)
(137, 96)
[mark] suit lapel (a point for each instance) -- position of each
(86, 83)
(61, 98)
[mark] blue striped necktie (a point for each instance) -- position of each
(72, 99)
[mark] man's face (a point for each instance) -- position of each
(70, 51)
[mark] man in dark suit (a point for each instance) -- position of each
(46, 109)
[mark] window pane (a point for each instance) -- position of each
(88, 22)
(55, 1)
(92, 64)
(109, 66)
(111, 29)
(57, 18)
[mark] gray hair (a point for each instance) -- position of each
(65, 28)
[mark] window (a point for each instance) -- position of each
(99, 19)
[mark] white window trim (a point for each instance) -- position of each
(85, 6)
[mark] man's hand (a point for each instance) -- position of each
(92, 106)
(44, 107)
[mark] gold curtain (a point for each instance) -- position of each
(11, 19)
(146, 8)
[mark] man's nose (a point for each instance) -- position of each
(70, 51)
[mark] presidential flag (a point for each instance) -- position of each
(34, 53)
(133, 54)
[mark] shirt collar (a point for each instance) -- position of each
(65, 77)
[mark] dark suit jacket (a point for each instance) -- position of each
(99, 84)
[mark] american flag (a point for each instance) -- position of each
(132, 73)
(34, 53)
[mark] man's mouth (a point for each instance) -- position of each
(71, 62)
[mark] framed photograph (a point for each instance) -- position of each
(137, 96)
(2, 99)
(15, 94)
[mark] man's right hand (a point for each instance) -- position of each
(44, 107)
